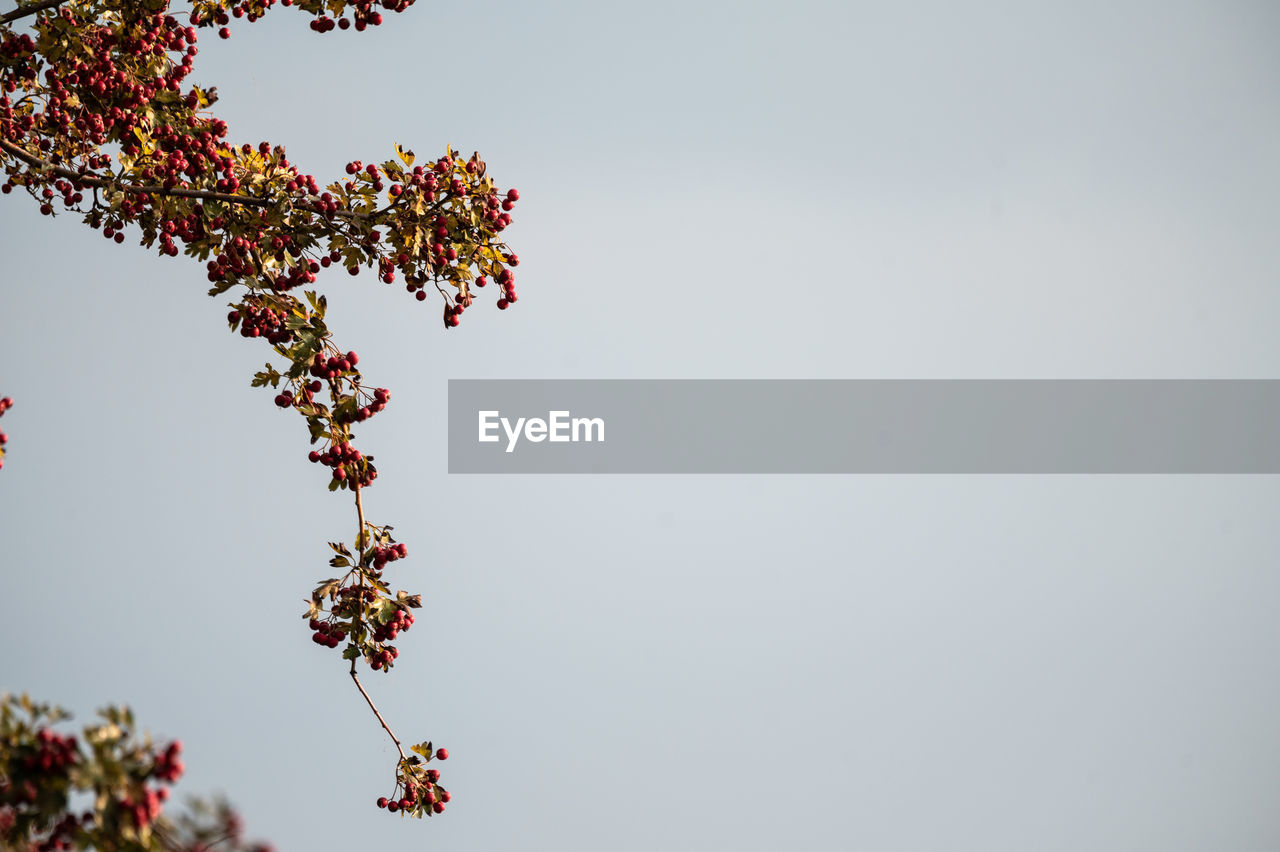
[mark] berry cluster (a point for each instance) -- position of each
(35, 770)
(334, 365)
(351, 599)
(418, 791)
(361, 604)
(390, 553)
(400, 622)
(168, 765)
(255, 319)
(5, 405)
(145, 811)
(54, 753)
(326, 633)
(363, 16)
(349, 465)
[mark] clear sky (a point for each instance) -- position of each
(710, 189)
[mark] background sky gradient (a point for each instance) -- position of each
(710, 189)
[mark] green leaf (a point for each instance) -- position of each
(350, 652)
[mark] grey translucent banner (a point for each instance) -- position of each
(864, 426)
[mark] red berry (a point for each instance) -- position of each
(442, 754)
(224, 33)
(382, 802)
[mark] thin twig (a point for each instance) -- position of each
(385, 727)
(24, 11)
(360, 542)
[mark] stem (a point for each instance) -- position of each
(24, 11)
(360, 542)
(156, 189)
(96, 181)
(385, 727)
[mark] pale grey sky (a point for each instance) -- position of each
(711, 190)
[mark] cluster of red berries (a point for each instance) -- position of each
(377, 403)
(285, 398)
(106, 94)
(146, 811)
(325, 633)
(507, 281)
(348, 463)
(102, 90)
(168, 765)
(382, 659)
(334, 365)
(364, 16)
(71, 196)
(383, 555)
(500, 220)
(351, 599)
(111, 94)
(418, 789)
(400, 622)
(53, 754)
(257, 320)
(5, 405)
(49, 759)
(236, 260)
(440, 248)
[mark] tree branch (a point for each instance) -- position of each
(86, 179)
(150, 189)
(24, 11)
